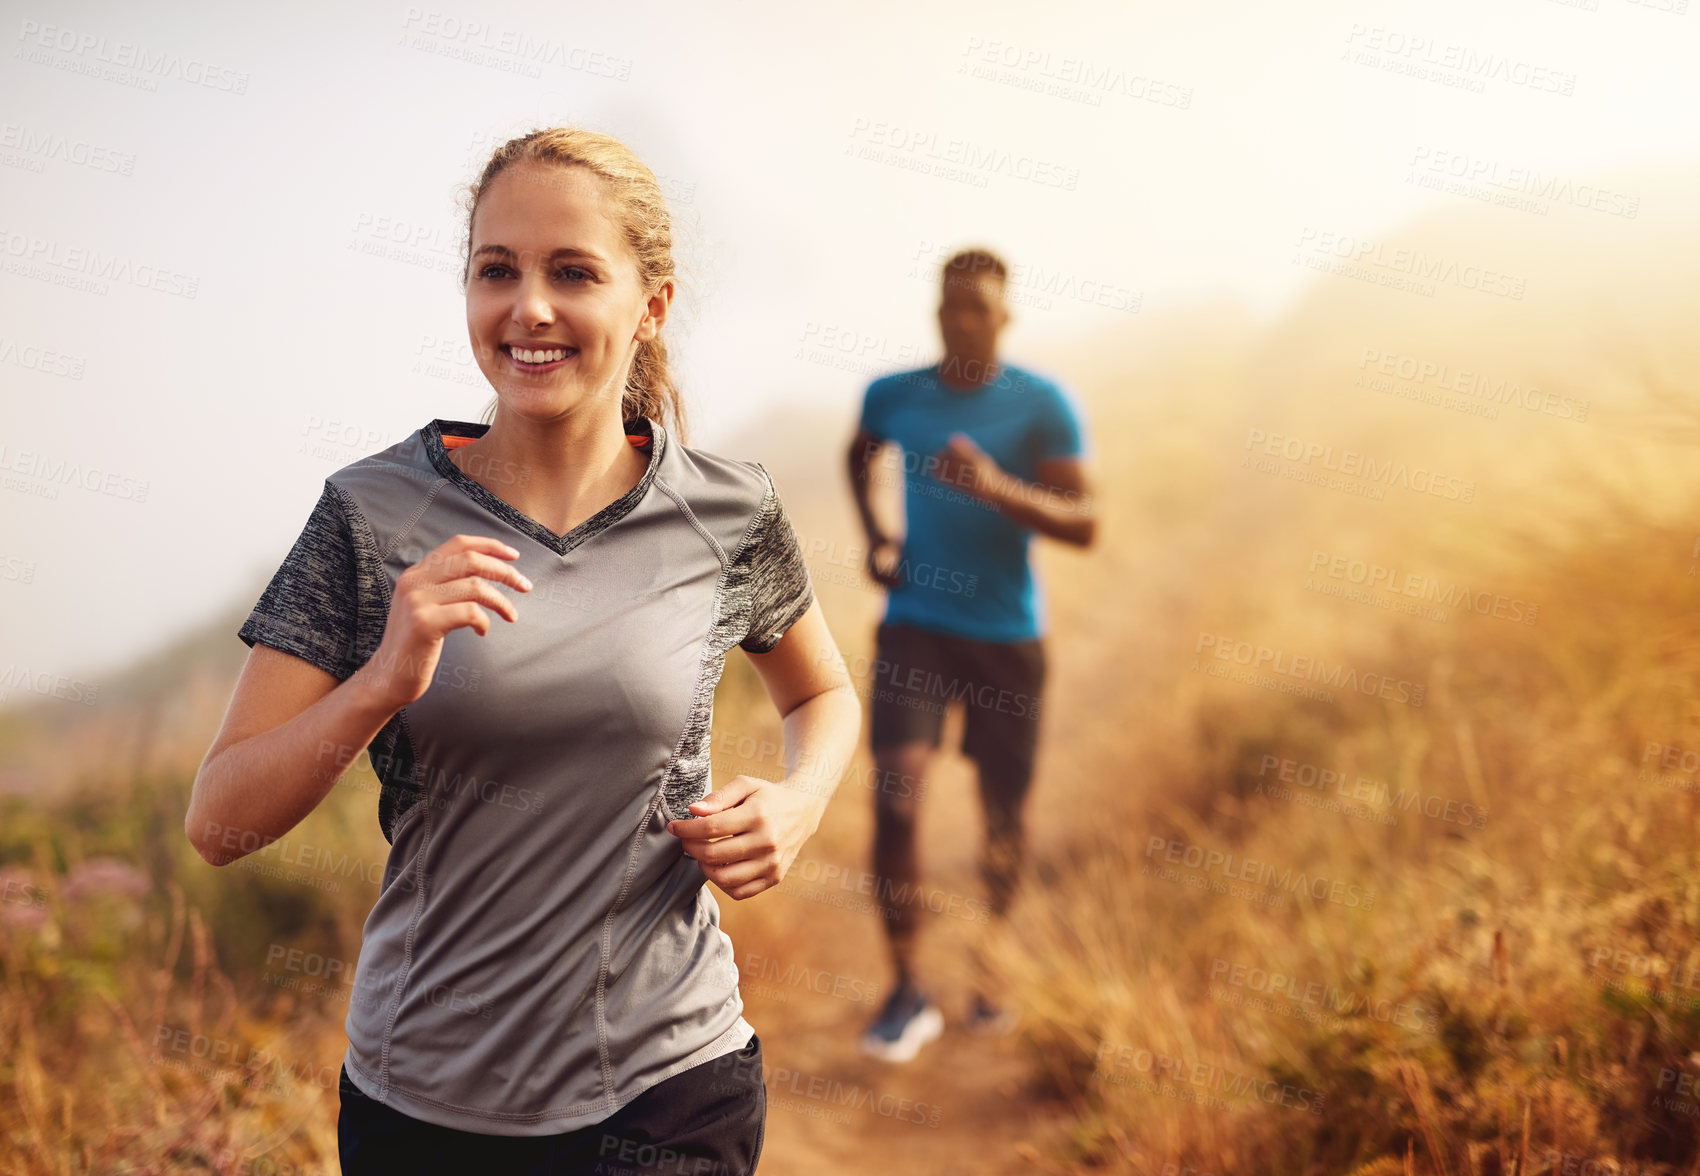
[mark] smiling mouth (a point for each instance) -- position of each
(538, 358)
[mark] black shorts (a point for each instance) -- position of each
(919, 672)
(709, 1120)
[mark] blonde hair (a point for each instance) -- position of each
(641, 213)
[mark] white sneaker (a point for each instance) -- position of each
(907, 1022)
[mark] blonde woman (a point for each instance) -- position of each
(525, 620)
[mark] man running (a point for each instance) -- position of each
(991, 453)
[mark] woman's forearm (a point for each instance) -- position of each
(257, 789)
(821, 736)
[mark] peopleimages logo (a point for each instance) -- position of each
(1678, 762)
(1276, 771)
(1235, 868)
(964, 157)
(515, 50)
(1470, 171)
(1450, 61)
(37, 145)
(1354, 463)
(1307, 667)
(173, 1045)
(1656, 970)
(153, 65)
(939, 690)
(1495, 390)
(1330, 1000)
(1067, 76)
(758, 968)
(1197, 1081)
(1374, 576)
(87, 268)
(1375, 256)
(1034, 283)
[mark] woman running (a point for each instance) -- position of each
(543, 984)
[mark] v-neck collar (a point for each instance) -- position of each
(438, 453)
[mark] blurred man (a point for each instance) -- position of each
(991, 453)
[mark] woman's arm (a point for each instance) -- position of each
(821, 716)
(764, 824)
(292, 729)
(289, 734)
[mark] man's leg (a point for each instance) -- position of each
(1002, 739)
(897, 866)
(1003, 792)
(906, 722)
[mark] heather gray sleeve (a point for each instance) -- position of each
(779, 580)
(311, 608)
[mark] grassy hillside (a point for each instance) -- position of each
(1362, 839)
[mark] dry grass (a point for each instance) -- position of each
(1470, 1021)
(1477, 1019)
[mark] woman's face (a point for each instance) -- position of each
(553, 302)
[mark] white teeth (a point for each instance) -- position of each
(525, 356)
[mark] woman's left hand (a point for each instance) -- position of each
(760, 826)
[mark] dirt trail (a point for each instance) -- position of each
(812, 955)
(983, 1113)
(832, 1108)
(814, 958)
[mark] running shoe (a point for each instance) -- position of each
(908, 1021)
(985, 1017)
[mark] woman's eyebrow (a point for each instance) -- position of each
(564, 251)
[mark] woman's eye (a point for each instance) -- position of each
(574, 273)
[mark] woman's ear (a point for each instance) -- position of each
(655, 312)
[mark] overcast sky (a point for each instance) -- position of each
(228, 233)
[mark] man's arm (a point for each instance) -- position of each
(884, 551)
(864, 448)
(1058, 502)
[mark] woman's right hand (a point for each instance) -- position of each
(448, 589)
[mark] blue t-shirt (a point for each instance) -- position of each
(965, 569)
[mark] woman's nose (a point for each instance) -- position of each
(531, 302)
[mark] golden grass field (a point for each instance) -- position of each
(1454, 930)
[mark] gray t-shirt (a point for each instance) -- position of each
(542, 950)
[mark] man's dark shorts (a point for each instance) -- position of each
(919, 672)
